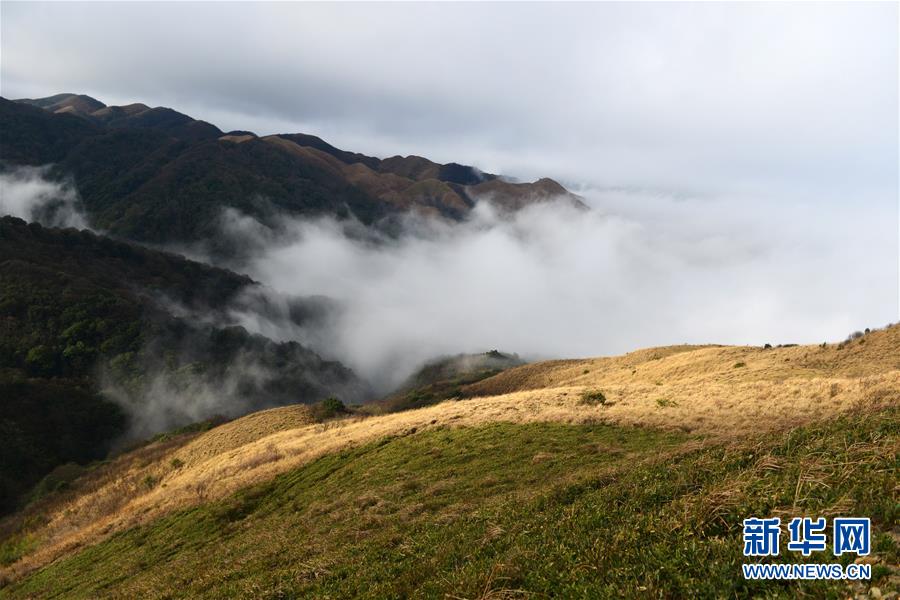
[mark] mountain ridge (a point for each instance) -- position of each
(155, 175)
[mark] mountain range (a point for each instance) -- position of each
(155, 175)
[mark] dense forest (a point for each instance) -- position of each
(82, 314)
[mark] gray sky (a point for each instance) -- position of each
(743, 157)
(695, 98)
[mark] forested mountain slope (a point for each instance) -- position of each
(81, 313)
(157, 175)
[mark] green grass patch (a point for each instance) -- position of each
(14, 547)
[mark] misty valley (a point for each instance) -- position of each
(148, 341)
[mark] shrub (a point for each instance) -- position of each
(328, 408)
(738, 365)
(593, 397)
(41, 360)
(14, 548)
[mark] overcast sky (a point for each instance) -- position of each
(693, 98)
(763, 134)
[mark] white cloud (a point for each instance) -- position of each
(27, 193)
(639, 270)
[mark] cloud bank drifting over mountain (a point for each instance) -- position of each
(638, 270)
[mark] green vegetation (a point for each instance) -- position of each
(70, 297)
(45, 423)
(328, 408)
(163, 177)
(593, 397)
(13, 548)
(34, 136)
(77, 308)
(444, 379)
(432, 393)
(557, 510)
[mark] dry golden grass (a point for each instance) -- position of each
(876, 353)
(235, 434)
(237, 139)
(124, 472)
(712, 391)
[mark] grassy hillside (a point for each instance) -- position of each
(504, 510)
(625, 476)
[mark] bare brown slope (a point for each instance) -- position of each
(427, 196)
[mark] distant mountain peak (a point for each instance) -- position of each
(74, 103)
(130, 116)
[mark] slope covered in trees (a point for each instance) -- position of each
(81, 314)
(156, 175)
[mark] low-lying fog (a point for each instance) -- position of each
(639, 269)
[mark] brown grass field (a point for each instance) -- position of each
(713, 392)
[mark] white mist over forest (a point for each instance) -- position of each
(638, 269)
(27, 193)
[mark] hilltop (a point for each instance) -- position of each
(155, 175)
(622, 476)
